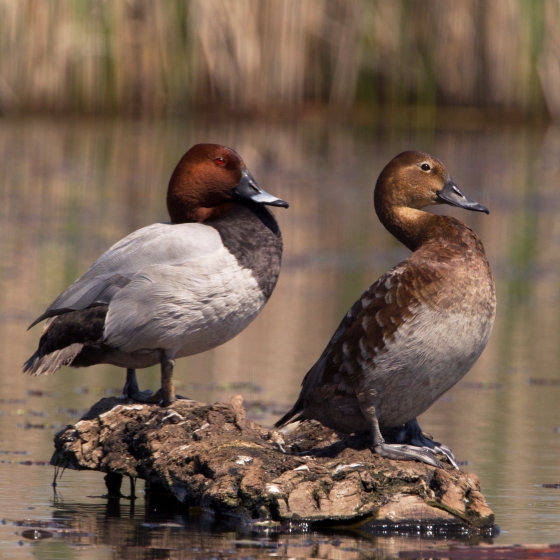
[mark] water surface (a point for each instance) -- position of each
(69, 189)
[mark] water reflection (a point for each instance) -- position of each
(69, 189)
(148, 529)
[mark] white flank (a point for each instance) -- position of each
(184, 308)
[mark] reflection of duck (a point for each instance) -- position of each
(172, 289)
(415, 332)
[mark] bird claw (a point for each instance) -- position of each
(408, 453)
(145, 396)
(435, 447)
(132, 391)
(413, 435)
(444, 450)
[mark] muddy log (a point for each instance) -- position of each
(213, 457)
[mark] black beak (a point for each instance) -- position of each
(451, 194)
(248, 189)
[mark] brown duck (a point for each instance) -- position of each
(417, 330)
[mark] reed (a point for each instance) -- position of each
(138, 57)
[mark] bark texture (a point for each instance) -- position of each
(211, 456)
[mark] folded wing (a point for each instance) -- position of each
(164, 244)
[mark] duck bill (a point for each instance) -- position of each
(248, 189)
(451, 194)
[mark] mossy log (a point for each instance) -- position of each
(211, 456)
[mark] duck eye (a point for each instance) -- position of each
(220, 161)
(425, 167)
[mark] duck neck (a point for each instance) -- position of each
(412, 227)
(180, 211)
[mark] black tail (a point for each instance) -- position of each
(293, 415)
(64, 337)
(312, 379)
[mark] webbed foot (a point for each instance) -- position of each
(145, 396)
(166, 395)
(148, 396)
(399, 451)
(131, 389)
(159, 397)
(407, 453)
(413, 435)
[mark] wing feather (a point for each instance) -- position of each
(371, 323)
(164, 244)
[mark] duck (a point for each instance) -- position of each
(417, 330)
(172, 289)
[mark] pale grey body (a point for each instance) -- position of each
(170, 287)
(184, 307)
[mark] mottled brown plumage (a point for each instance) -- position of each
(417, 330)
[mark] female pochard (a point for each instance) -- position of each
(417, 330)
(172, 289)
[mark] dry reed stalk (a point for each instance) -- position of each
(457, 60)
(251, 53)
(137, 57)
(549, 61)
(508, 53)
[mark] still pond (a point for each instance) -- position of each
(70, 189)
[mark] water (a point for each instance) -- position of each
(69, 189)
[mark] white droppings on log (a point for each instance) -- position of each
(203, 427)
(347, 467)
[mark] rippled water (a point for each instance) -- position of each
(69, 189)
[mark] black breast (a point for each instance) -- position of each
(251, 234)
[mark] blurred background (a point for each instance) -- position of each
(144, 58)
(98, 101)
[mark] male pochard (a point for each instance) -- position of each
(173, 289)
(417, 330)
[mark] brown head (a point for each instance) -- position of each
(409, 182)
(210, 179)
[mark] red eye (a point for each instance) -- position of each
(220, 161)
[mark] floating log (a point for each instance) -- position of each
(211, 456)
